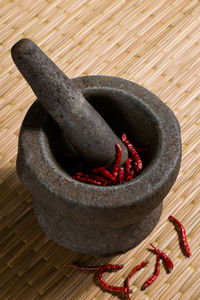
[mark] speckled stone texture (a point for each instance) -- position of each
(82, 127)
(90, 240)
(102, 220)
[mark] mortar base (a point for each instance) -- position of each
(96, 242)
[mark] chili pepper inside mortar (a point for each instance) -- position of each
(105, 177)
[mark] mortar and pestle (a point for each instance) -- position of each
(87, 115)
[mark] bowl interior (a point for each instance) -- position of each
(124, 114)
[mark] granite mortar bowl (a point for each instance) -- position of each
(92, 219)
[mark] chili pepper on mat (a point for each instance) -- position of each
(107, 286)
(183, 234)
(101, 269)
(164, 257)
(154, 276)
(137, 268)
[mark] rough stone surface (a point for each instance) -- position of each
(83, 129)
(82, 217)
(92, 240)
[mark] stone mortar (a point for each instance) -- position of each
(92, 219)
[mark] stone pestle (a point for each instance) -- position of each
(79, 122)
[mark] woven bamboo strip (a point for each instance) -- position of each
(156, 44)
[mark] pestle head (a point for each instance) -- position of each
(81, 125)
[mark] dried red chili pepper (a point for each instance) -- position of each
(121, 175)
(101, 269)
(107, 286)
(183, 234)
(86, 179)
(137, 268)
(82, 174)
(93, 181)
(117, 162)
(164, 257)
(133, 153)
(130, 177)
(104, 172)
(127, 169)
(103, 180)
(154, 276)
(117, 175)
(127, 166)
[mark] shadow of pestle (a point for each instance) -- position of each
(81, 125)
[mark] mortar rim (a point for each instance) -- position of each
(82, 197)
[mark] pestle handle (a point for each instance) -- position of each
(80, 123)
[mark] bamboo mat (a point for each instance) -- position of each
(155, 43)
